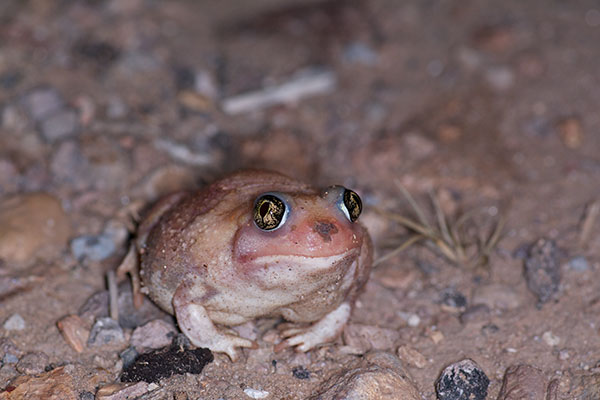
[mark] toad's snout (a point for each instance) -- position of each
(325, 229)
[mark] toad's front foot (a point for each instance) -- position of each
(195, 323)
(323, 331)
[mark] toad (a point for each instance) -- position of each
(254, 244)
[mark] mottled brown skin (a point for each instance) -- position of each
(204, 260)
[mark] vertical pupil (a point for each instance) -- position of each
(264, 208)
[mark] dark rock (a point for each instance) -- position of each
(164, 363)
(463, 380)
(92, 247)
(542, 269)
(489, 329)
(32, 363)
(10, 79)
(300, 372)
(378, 376)
(128, 356)
(60, 125)
(99, 52)
(86, 396)
(523, 382)
(452, 298)
(185, 78)
(42, 102)
(106, 331)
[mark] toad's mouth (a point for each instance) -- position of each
(293, 269)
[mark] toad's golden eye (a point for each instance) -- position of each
(352, 205)
(270, 212)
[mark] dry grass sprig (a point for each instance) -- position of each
(453, 239)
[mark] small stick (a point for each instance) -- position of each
(591, 214)
(113, 295)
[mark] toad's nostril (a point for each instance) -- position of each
(325, 229)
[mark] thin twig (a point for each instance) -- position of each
(591, 214)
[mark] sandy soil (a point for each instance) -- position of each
(490, 106)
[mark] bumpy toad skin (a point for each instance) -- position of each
(204, 259)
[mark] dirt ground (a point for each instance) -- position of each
(490, 106)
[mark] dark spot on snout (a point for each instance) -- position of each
(325, 230)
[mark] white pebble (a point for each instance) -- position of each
(256, 394)
(413, 321)
(550, 338)
(14, 323)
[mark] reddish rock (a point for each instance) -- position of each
(523, 382)
(53, 385)
(32, 225)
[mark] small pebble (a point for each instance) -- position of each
(300, 372)
(32, 363)
(413, 320)
(497, 296)
(255, 393)
(453, 299)
(579, 264)
(74, 332)
(436, 336)
(106, 331)
(542, 269)
(121, 391)
(412, 356)
(59, 126)
(563, 355)
(359, 53)
(10, 358)
(571, 132)
(550, 339)
(489, 329)
(86, 396)
(128, 356)
(92, 247)
(42, 102)
(461, 381)
(500, 78)
(14, 323)
(153, 335)
(367, 337)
